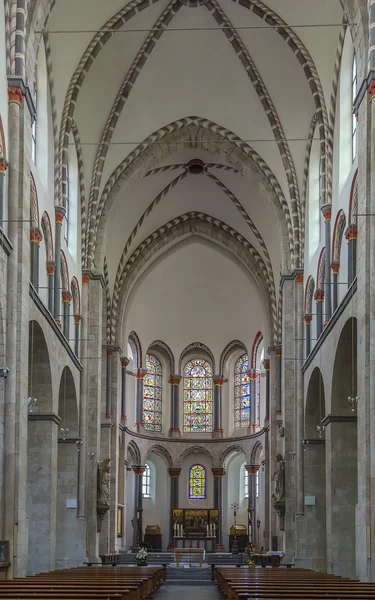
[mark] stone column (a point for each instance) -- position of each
(50, 277)
(124, 363)
(253, 379)
(266, 367)
(251, 502)
(139, 375)
(327, 211)
(308, 319)
(3, 168)
(108, 388)
(83, 454)
(278, 378)
(174, 474)
(138, 471)
(59, 218)
(218, 473)
(299, 400)
(335, 268)
(174, 382)
(218, 409)
(319, 297)
(66, 298)
(35, 240)
(351, 236)
(77, 322)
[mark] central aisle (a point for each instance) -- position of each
(185, 582)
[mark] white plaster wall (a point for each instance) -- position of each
(183, 482)
(233, 491)
(156, 510)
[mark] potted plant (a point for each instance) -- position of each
(142, 557)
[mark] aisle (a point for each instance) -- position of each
(188, 582)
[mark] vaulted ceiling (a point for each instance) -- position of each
(239, 103)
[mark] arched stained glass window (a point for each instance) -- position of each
(197, 483)
(152, 386)
(241, 392)
(354, 118)
(198, 396)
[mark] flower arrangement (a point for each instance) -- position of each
(249, 550)
(142, 557)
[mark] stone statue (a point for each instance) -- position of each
(279, 477)
(104, 482)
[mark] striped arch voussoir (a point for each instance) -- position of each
(196, 346)
(136, 347)
(233, 346)
(159, 345)
(309, 295)
(254, 350)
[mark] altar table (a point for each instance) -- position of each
(179, 551)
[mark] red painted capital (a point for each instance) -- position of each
(139, 470)
(308, 319)
(85, 279)
(59, 215)
(327, 213)
(219, 380)
(252, 469)
(371, 90)
(35, 236)
(335, 268)
(139, 373)
(50, 269)
(3, 166)
(77, 319)
(66, 297)
(174, 472)
(319, 296)
(252, 374)
(124, 362)
(299, 279)
(174, 379)
(266, 364)
(15, 95)
(218, 472)
(351, 233)
(278, 350)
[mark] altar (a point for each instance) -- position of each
(195, 528)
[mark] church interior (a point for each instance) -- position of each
(187, 274)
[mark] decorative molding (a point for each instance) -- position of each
(233, 346)
(5, 243)
(338, 419)
(44, 417)
(201, 348)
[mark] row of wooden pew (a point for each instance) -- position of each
(289, 584)
(86, 583)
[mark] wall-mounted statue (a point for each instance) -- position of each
(278, 497)
(103, 490)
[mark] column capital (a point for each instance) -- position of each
(252, 469)
(124, 361)
(326, 212)
(139, 373)
(299, 278)
(59, 214)
(335, 268)
(77, 319)
(218, 380)
(3, 165)
(278, 350)
(66, 297)
(266, 364)
(174, 472)
(50, 268)
(35, 236)
(319, 296)
(174, 379)
(85, 279)
(15, 95)
(308, 319)
(218, 472)
(138, 469)
(351, 233)
(253, 375)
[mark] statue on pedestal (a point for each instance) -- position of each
(278, 497)
(103, 490)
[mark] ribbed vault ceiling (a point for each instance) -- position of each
(257, 91)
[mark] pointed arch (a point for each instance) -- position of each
(353, 202)
(76, 296)
(48, 238)
(337, 236)
(64, 272)
(309, 295)
(136, 347)
(321, 270)
(254, 350)
(165, 350)
(229, 349)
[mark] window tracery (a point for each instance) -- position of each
(197, 396)
(197, 483)
(242, 398)
(152, 394)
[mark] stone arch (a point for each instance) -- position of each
(337, 236)
(133, 453)
(353, 201)
(194, 450)
(162, 451)
(34, 204)
(68, 403)
(233, 346)
(255, 452)
(321, 270)
(64, 273)
(196, 347)
(309, 295)
(146, 156)
(40, 373)
(344, 378)
(165, 350)
(48, 238)
(315, 408)
(173, 232)
(3, 146)
(136, 347)
(76, 296)
(227, 453)
(254, 350)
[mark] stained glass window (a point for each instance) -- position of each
(258, 398)
(198, 396)
(197, 483)
(152, 386)
(146, 482)
(241, 392)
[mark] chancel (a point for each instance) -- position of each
(187, 306)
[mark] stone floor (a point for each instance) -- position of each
(206, 592)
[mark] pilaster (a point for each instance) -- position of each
(174, 381)
(218, 381)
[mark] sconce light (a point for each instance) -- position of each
(31, 403)
(79, 444)
(91, 456)
(305, 443)
(320, 430)
(292, 454)
(64, 432)
(353, 402)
